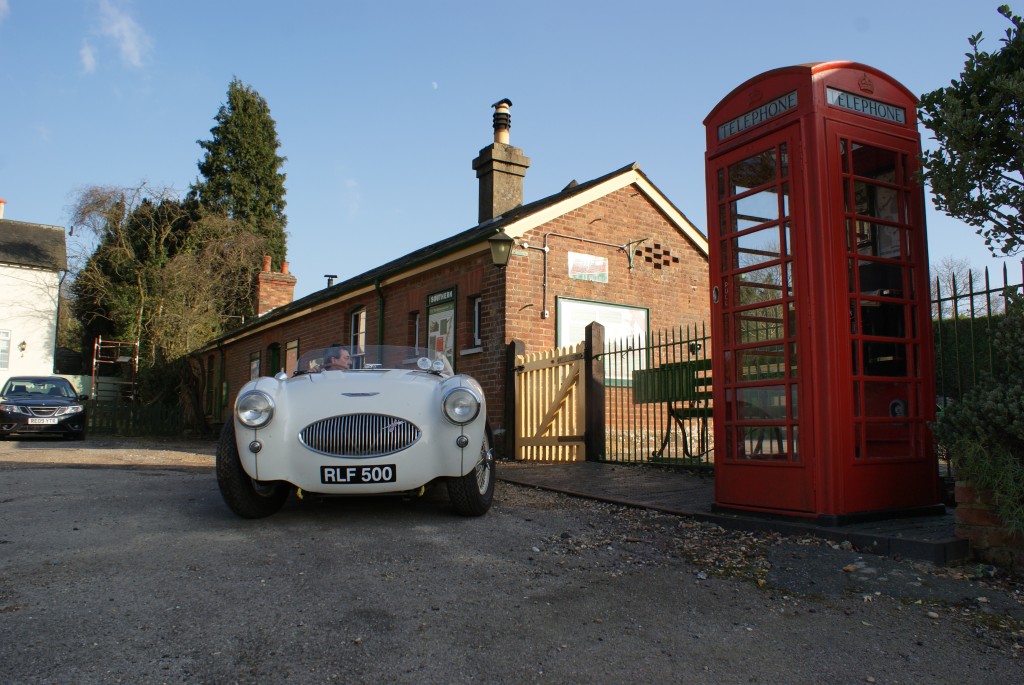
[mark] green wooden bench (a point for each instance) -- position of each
(685, 387)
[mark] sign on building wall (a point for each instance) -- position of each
(623, 325)
(441, 323)
(585, 267)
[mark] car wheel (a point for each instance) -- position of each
(471, 495)
(246, 497)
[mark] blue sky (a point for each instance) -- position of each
(381, 106)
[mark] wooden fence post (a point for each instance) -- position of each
(513, 349)
(594, 438)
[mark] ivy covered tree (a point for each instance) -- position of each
(241, 170)
(162, 272)
(977, 172)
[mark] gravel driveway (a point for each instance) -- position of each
(119, 563)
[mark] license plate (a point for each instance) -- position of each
(42, 422)
(357, 475)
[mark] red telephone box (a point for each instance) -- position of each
(821, 323)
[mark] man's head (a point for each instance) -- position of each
(338, 358)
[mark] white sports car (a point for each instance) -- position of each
(384, 420)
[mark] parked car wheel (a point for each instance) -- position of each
(472, 494)
(246, 497)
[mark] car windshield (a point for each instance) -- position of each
(38, 387)
(372, 358)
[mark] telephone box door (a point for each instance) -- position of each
(875, 206)
(756, 366)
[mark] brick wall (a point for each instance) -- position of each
(669, 277)
(991, 541)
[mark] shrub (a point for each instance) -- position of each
(984, 432)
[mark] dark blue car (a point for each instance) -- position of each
(41, 405)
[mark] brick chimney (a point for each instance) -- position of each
(500, 168)
(273, 289)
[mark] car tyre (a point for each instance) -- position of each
(246, 497)
(472, 494)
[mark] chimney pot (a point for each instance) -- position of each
(502, 121)
(2, 203)
(266, 262)
(284, 267)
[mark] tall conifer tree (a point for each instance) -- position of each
(241, 170)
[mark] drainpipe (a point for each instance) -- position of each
(380, 311)
(56, 322)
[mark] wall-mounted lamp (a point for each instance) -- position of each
(22, 346)
(501, 248)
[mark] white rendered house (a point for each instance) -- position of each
(33, 258)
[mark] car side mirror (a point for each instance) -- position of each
(83, 398)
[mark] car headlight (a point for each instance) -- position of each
(70, 409)
(460, 405)
(13, 409)
(254, 409)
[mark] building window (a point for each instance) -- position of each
(254, 366)
(5, 349)
(476, 313)
(291, 356)
(274, 358)
(358, 327)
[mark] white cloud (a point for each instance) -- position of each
(5, 8)
(88, 56)
(132, 41)
(352, 197)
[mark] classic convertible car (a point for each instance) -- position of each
(354, 422)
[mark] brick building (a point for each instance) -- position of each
(613, 249)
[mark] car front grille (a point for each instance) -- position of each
(43, 411)
(359, 435)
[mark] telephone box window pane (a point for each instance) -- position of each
(721, 184)
(761, 324)
(761, 404)
(756, 209)
(880, 279)
(757, 247)
(855, 348)
(873, 162)
(882, 319)
(856, 400)
(843, 156)
(760, 285)
(785, 199)
(764, 442)
(783, 161)
(794, 443)
(792, 320)
(752, 172)
(794, 366)
(786, 240)
(762, 363)
(876, 201)
(885, 359)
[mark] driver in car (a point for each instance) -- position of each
(337, 359)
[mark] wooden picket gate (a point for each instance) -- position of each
(550, 405)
